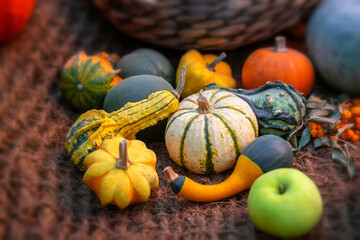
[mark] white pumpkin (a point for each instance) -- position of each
(209, 130)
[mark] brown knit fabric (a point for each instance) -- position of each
(41, 193)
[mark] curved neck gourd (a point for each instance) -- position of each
(94, 126)
(244, 174)
(262, 155)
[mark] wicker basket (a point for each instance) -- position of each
(203, 24)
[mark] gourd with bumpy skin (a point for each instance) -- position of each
(146, 61)
(203, 70)
(85, 80)
(121, 172)
(279, 107)
(209, 131)
(94, 126)
(262, 155)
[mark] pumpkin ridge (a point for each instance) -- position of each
(223, 97)
(248, 118)
(183, 138)
(209, 165)
(179, 115)
(213, 94)
(89, 67)
(73, 67)
(233, 136)
(189, 100)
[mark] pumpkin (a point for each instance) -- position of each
(85, 80)
(279, 108)
(203, 70)
(146, 61)
(333, 39)
(264, 154)
(14, 14)
(134, 89)
(209, 130)
(121, 172)
(278, 63)
(94, 126)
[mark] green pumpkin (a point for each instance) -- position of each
(146, 61)
(85, 80)
(134, 89)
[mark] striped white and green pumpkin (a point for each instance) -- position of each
(209, 130)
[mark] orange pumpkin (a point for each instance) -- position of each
(14, 15)
(278, 63)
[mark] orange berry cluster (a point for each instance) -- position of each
(316, 130)
(351, 116)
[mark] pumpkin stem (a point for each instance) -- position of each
(281, 189)
(181, 84)
(123, 160)
(170, 175)
(280, 44)
(203, 103)
(212, 65)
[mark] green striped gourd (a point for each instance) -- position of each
(279, 107)
(85, 80)
(94, 126)
(209, 130)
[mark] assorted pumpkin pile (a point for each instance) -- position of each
(209, 126)
(207, 132)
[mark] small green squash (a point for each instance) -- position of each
(134, 89)
(146, 61)
(85, 80)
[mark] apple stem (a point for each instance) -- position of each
(281, 189)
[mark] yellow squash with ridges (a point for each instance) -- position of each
(121, 172)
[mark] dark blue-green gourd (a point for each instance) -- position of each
(146, 61)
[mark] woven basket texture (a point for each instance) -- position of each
(42, 195)
(203, 24)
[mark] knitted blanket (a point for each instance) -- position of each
(42, 195)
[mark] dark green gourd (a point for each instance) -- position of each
(279, 107)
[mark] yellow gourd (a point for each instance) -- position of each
(203, 70)
(121, 172)
(245, 173)
(94, 126)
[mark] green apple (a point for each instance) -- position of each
(284, 203)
